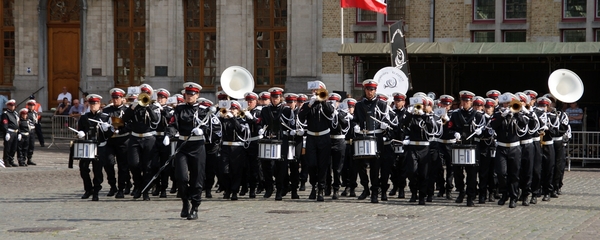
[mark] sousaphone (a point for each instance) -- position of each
(565, 85)
(237, 81)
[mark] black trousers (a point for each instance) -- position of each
(444, 153)
(508, 164)
(349, 174)
(526, 176)
(140, 153)
(417, 168)
(471, 177)
(116, 152)
(189, 165)
(233, 166)
(31, 145)
(436, 169)
(38, 133)
(487, 176)
(277, 169)
(84, 171)
(318, 156)
(160, 158)
(213, 161)
(10, 148)
(547, 176)
(252, 171)
(398, 174)
(22, 149)
(302, 160)
(560, 163)
(387, 163)
(338, 155)
(536, 179)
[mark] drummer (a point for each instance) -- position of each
(270, 121)
(96, 133)
(349, 174)
(289, 118)
(339, 128)
(398, 175)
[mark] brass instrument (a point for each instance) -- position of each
(116, 122)
(565, 85)
(417, 107)
(322, 94)
(144, 99)
(515, 106)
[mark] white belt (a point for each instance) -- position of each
(316, 134)
(547, 142)
(557, 139)
(513, 144)
(102, 144)
(338, 136)
(120, 135)
(419, 143)
(160, 133)
(233, 143)
(445, 140)
(535, 139)
(255, 138)
(373, 131)
(13, 130)
(349, 142)
(31, 128)
(192, 138)
(148, 134)
(526, 141)
(25, 133)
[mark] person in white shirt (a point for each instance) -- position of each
(62, 95)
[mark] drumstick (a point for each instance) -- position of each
(73, 129)
(379, 121)
(94, 120)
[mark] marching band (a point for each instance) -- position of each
(506, 147)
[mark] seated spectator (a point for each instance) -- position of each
(63, 108)
(76, 109)
(575, 116)
(64, 94)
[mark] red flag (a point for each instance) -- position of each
(371, 5)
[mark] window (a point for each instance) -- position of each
(200, 42)
(484, 36)
(574, 8)
(396, 10)
(575, 35)
(597, 8)
(366, 37)
(484, 10)
(130, 42)
(515, 9)
(515, 36)
(7, 68)
(597, 32)
(270, 51)
(366, 16)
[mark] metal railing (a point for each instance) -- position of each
(60, 128)
(584, 146)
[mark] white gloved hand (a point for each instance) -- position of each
(505, 112)
(80, 134)
(133, 105)
(445, 118)
(384, 139)
(477, 131)
(229, 115)
(7, 137)
(544, 128)
(300, 133)
(292, 132)
(312, 101)
(350, 117)
(213, 109)
(524, 109)
(405, 142)
(19, 137)
(197, 131)
(166, 141)
(248, 115)
(356, 129)
(383, 125)
(335, 112)
(104, 126)
(457, 136)
(261, 131)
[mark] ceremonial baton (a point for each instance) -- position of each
(166, 163)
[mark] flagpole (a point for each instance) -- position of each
(342, 41)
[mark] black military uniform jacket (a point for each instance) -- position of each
(270, 117)
(506, 127)
(462, 121)
(114, 111)
(316, 116)
(142, 119)
(10, 120)
(92, 129)
(417, 126)
(187, 117)
(366, 108)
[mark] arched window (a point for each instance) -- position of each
(7, 69)
(130, 42)
(270, 50)
(200, 42)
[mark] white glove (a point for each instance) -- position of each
(350, 117)
(104, 126)
(133, 105)
(477, 131)
(335, 112)
(312, 101)
(356, 129)
(544, 128)
(300, 133)
(292, 132)
(80, 134)
(248, 115)
(457, 136)
(525, 110)
(7, 137)
(19, 137)
(197, 131)
(383, 125)
(166, 141)
(261, 131)
(506, 112)
(229, 115)
(405, 142)
(445, 118)
(384, 139)
(213, 109)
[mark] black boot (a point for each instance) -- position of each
(155, 191)
(127, 189)
(546, 198)
(335, 195)
(163, 193)
(268, 193)
(393, 191)
(278, 196)
(173, 189)
(112, 191)
(120, 194)
(374, 196)
(252, 193)
(29, 162)
(481, 198)
(533, 199)
(320, 196)
(185, 210)
(146, 196)
(401, 193)
(208, 193)
(86, 195)
(513, 203)
(226, 194)
(328, 191)
(295, 194)
(429, 198)
(470, 201)
(234, 196)
(345, 192)
(302, 186)
(449, 194)
(352, 193)
(384, 195)
(137, 193)
(313, 194)
(460, 198)
(491, 197)
(95, 194)
(413, 197)
(364, 194)
(441, 193)
(243, 191)
(193, 213)
(553, 194)
(421, 200)
(526, 201)
(502, 200)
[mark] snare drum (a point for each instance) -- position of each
(269, 149)
(464, 155)
(398, 148)
(291, 150)
(84, 149)
(365, 147)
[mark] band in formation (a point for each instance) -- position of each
(507, 146)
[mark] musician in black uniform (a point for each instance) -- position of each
(10, 126)
(398, 175)
(486, 144)
(349, 174)
(527, 149)
(368, 108)
(162, 152)
(32, 117)
(142, 118)
(507, 123)
(235, 133)
(23, 137)
(290, 119)
(537, 148)
(339, 128)
(90, 129)
(387, 155)
(318, 115)
(560, 137)
(191, 121)
(212, 146)
(116, 147)
(443, 152)
(300, 143)
(252, 115)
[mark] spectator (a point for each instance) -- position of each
(76, 109)
(63, 108)
(64, 94)
(3, 100)
(575, 116)
(86, 105)
(38, 127)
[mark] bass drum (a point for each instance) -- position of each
(365, 147)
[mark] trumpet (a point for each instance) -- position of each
(322, 94)
(144, 99)
(515, 106)
(417, 107)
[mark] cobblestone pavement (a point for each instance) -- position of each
(43, 202)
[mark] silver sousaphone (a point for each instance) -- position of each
(565, 85)
(390, 80)
(237, 81)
